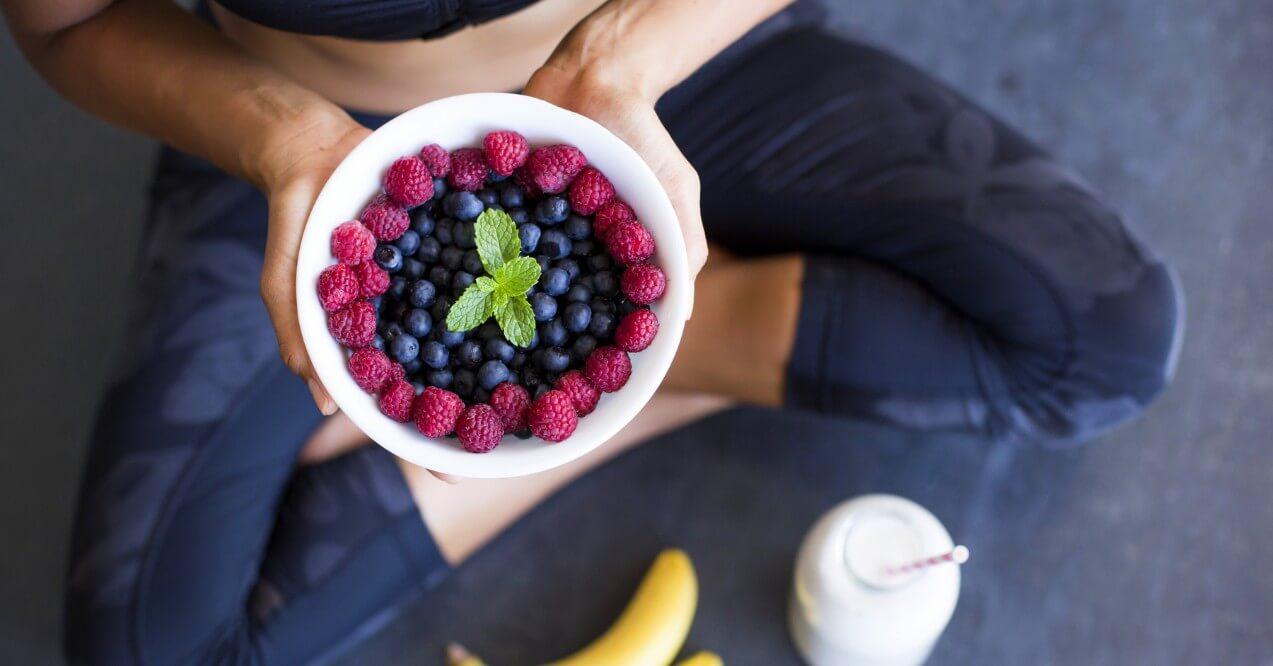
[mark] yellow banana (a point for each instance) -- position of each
(654, 625)
(456, 655)
(702, 659)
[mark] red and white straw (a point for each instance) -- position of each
(957, 555)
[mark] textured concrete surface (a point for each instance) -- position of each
(1148, 547)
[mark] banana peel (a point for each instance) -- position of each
(702, 659)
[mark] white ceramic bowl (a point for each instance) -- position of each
(457, 122)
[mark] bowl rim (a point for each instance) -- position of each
(385, 144)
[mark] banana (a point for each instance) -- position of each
(702, 659)
(654, 625)
(457, 655)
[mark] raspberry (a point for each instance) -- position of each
(353, 326)
(395, 401)
(553, 167)
(609, 214)
(643, 283)
(385, 219)
(552, 417)
(629, 242)
(510, 402)
(435, 411)
(590, 191)
(505, 151)
(337, 287)
(372, 279)
(608, 368)
(396, 372)
(523, 178)
(583, 396)
(468, 169)
(408, 182)
(352, 243)
(479, 428)
(636, 331)
(437, 159)
(371, 369)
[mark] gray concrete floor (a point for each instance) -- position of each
(1165, 104)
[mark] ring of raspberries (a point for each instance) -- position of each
(492, 290)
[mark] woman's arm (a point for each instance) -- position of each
(149, 66)
(619, 60)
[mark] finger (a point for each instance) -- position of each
(445, 478)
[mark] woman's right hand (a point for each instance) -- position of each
(291, 170)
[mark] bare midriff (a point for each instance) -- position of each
(390, 77)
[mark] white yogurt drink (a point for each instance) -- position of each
(847, 610)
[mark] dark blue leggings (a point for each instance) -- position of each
(957, 279)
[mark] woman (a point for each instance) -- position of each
(883, 249)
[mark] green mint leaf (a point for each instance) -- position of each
(497, 239)
(516, 320)
(498, 299)
(474, 307)
(517, 276)
(487, 284)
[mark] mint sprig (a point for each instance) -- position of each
(502, 292)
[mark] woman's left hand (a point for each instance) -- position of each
(630, 115)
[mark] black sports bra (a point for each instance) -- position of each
(373, 19)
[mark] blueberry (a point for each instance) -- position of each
(602, 325)
(418, 387)
(461, 281)
(377, 302)
(578, 227)
(435, 355)
(495, 177)
(605, 283)
(499, 350)
(397, 287)
(552, 210)
(625, 308)
(554, 281)
(464, 382)
(392, 330)
(418, 322)
(540, 390)
(489, 331)
(469, 353)
(440, 277)
(445, 231)
(464, 238)
(488, 197)
(446, 336)
(588, 282)
(584, 249)
(544, 306)
(395, 311)
(408, 242)
(462, 205)
(534, 340)
(570, 266)
(518, 360)
(412, 367)
(429, 250)
(553, 332)
(422, 222)
(438, 378)
(554, 244)
(600, 304)
(555, 359)
(421, 293)
(441, 306)
(481, 395)
(404, 348)
(529, 236)
(532, 376)
(378, 342)
(439, 188)
(511, 195)
(388, 257)
(524, 433)
(582, 347)
(412, 269)
(519, 215)
(600, 262)
(576, 317)
(578, 294)
(544, 262)
(452, 257)
(472, 262)
(492, 374)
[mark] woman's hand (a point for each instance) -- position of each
(293, 168)
(629, 113)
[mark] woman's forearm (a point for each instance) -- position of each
(655, 44)
(149, 66)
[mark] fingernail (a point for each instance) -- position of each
(326, 406)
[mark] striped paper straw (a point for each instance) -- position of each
(958, 555)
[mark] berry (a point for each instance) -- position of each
(610, 214)
(337, 287)
(429, 250)
(421, 293)
(499, 349)
(643, 283)
(529, 236)
(438, 378)
(465, 235)
(543, 306)
(435, 412)
(404, 347)
(590, 191)
(395, 400)
(437, 159)
(505, 151)
(370, 369)
(372, 279)
(488, 197)
(511, 196)
(461, 281)
(629, 242)
(602, 324)
(492, 374)
(552, 416)
(554, 281)
(468, 169)
(554, 244)
(604, 283)
(570, 266)
(554, 332)
(451, 258)
(550, 211)
(576, 317)
(439, 188)
(525, 181)
(511, 401)
(551, 168)
(577, 228)
(435, 354)
(352, 243)
(354, 326)
(396, 372)
(389, 258)
(408, 182)
(462, 205)
(555, 359)
(583, 346)
(582, 248)
(421, 222)
(598, 262)
(583, 396)
(479, 428)
(472, 263)
(469, 353)
(579, 294)
(636, 331)
(417, 322)
(412, 269)
(608, 368)
(464, 383)
(385, 219)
